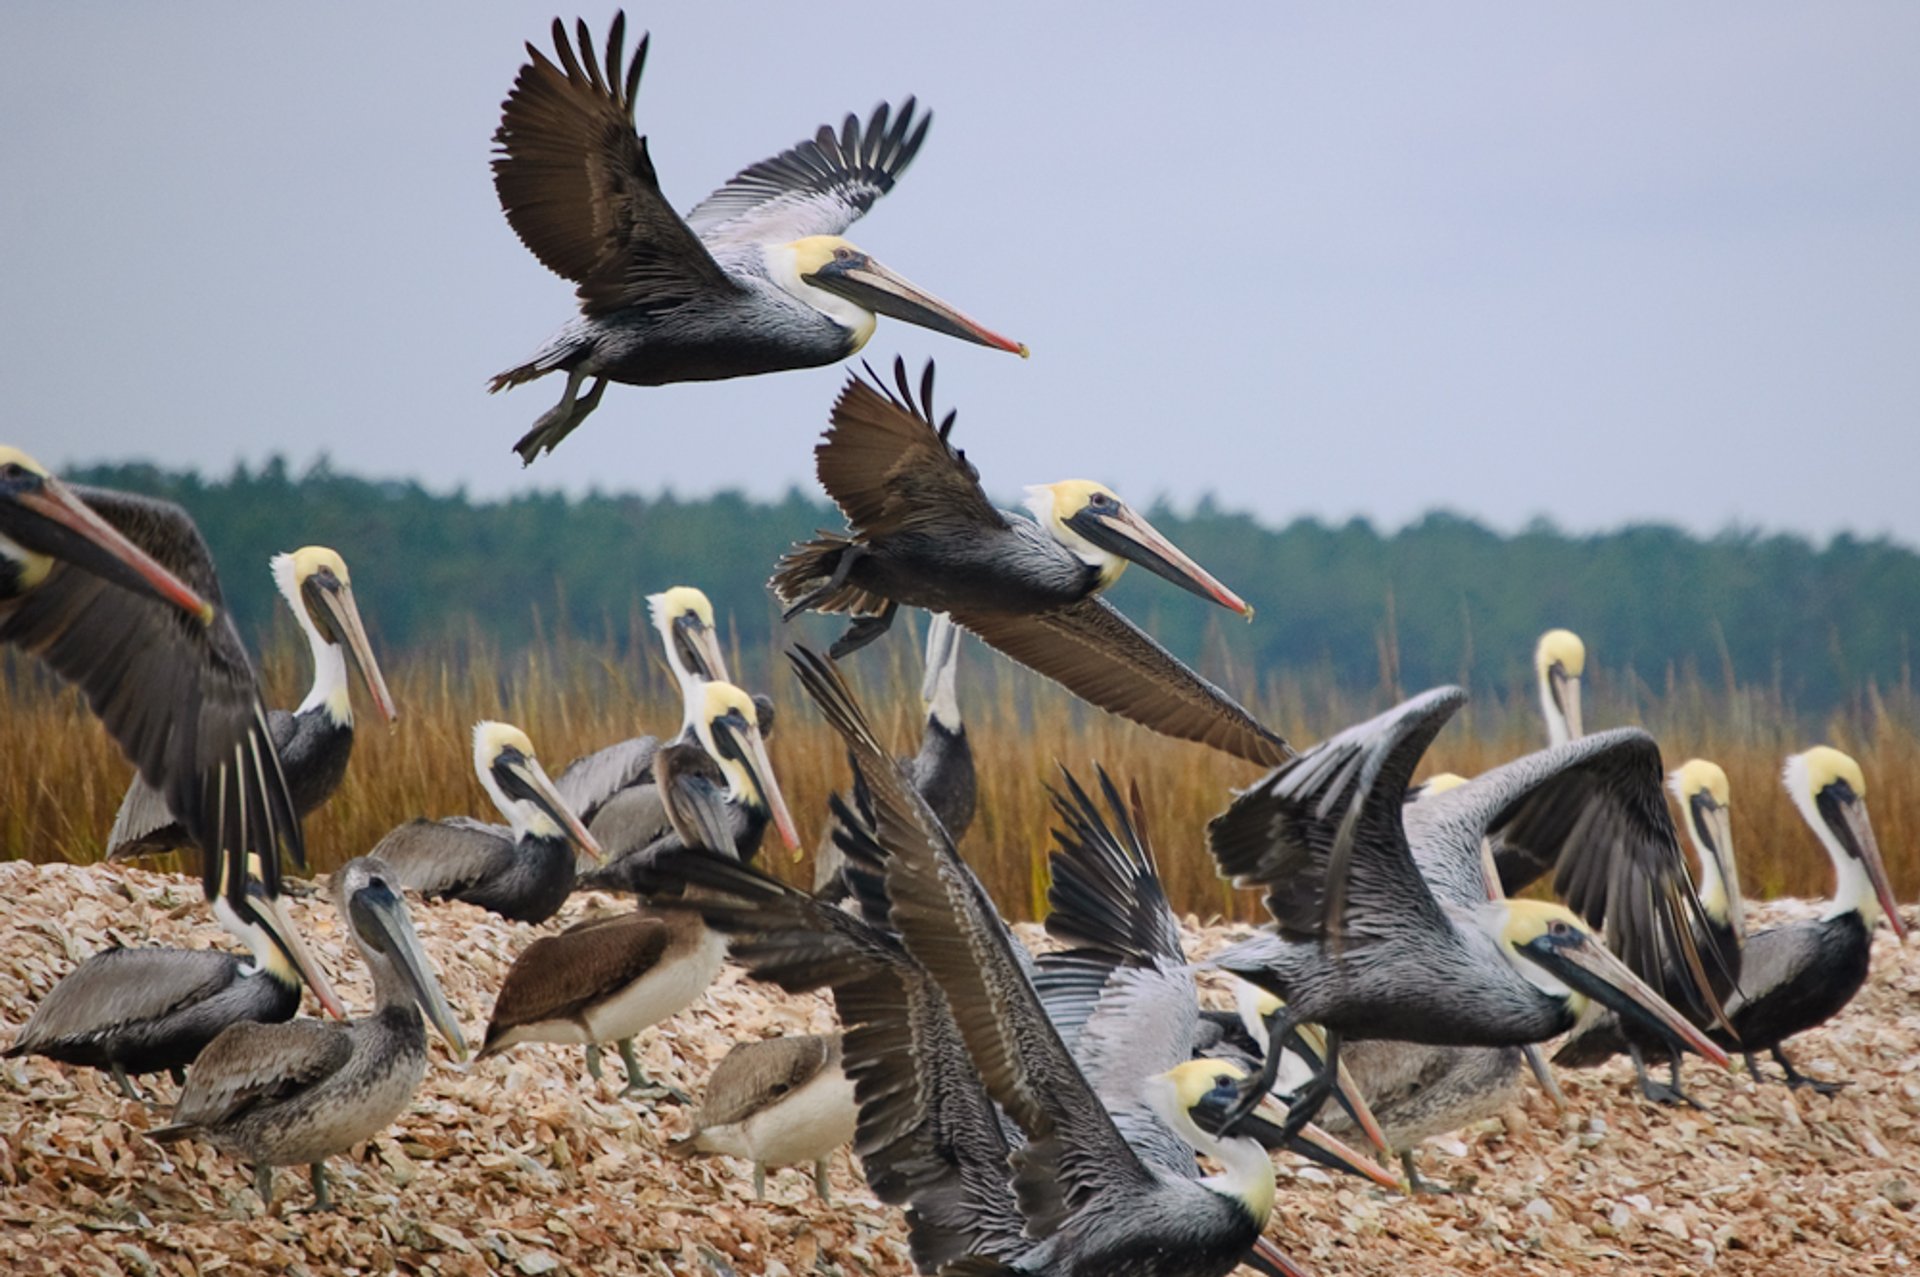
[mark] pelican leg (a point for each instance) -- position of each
(640, 1085)
(863, 631)
(842, 569)
(1416, 1185)
(125, 1084)
(1313, 1096)
(593, 1062)
(1753, 1067)
(557, 422)
(759, 1182)
(318, 1174)
(1797, 1079)
(820, 1184)
(263, 1185)
(1537, 1061)
(1280, 1027)
(1660, 1092)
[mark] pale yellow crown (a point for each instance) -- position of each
(669, 605)
(815, 251)
(720, 699)
(1561, 647)
(491, 738)
(1697, 775)
(309, 559)
(1824, 765)
(11, 456)
(1528, 920)
(1441, 782)
(1193, 1080)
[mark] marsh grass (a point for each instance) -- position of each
(61, 778)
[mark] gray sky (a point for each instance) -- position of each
(1629, 261)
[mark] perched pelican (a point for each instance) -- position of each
(284, 1094)
(1801, 975)
(117, 593)
(637, 823)
(1705, 807)
(776, 1102)
(1385, 925)
(523, 870)
(921, 532)
(607, 979)
(148, 1009)
(755, 279)
(1558, 661)
(943, 770)
(944, 1025)
(315, 740)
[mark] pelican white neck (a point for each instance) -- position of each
(329, 692)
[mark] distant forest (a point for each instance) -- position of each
(1442, 600)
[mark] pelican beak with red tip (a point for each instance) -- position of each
(853, 275)
(1092, 521)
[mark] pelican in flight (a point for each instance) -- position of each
(117, 593)
(1559, 659)
(755, 279)
(1385, 924)
(1801, 975)
(315, 740)
(523, 870)
(142, 1010)
(299, 1092)
(922, 533)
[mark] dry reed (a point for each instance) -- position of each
(61, 778)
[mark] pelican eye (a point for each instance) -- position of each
(1100, 501)
(1559, 930)
(843, 254)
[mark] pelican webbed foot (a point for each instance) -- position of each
(1668, 1092)
(1796, 1079)
(640, 1086)
(127, 1088)
(864, 630)
(1417, 1185)
(557, 422)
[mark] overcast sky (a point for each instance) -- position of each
(1626, 261)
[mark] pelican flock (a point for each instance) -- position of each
(1094, 1107)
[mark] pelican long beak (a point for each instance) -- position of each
(1126, 534)
(1584, 965)
(381, 920)
(273, 915)
(1336, 1155)
(759, 767)
(867, 283)
(542, 794)
(1855, 831)
(699, 648)
(92, 544)
(1716, 822)
(1566, 695)
(338, 599)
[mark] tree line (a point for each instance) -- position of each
(1444, 599)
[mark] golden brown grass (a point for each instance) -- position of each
(61, 778)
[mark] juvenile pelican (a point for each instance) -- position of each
(776, 1102)
(755, 279)
(146, 1009)
(1705, 801)
(1559, 659)
(1795, 977)
(299, 1092)
(117, 593)
(523, 870)
(1385, 926)
(922, 533)
(316, 739)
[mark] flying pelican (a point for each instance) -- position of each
(117, 593)
(142, 1010)
(1801, 975)
(942, 771)
(776, 1102)
(1559, 659)
(316, 739)
(637, 823)
(523, 870)
(1705, 806)
(284, 1094)
(1385, 925)
(607, 979)
(755, 279)
(921, 532)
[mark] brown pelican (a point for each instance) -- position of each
(1801, 975)
(143, 1010)
(1558, 661)
(523, 870)
(776, 1102)
(942, 771)
(943, 1025)
(921, 532)
(117, 593)
(1385, 925)
(299, 1092)
(755, 279)
(316, 739)
(607, 979)
(1705, 805)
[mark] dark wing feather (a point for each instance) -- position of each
(818, 187)
(1323, 833)
(892, 471)
(558, 977)
(180, 697)
(592, 779)
(1096, 653)
(123, 987)
(251, 1064)
(578, 187)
